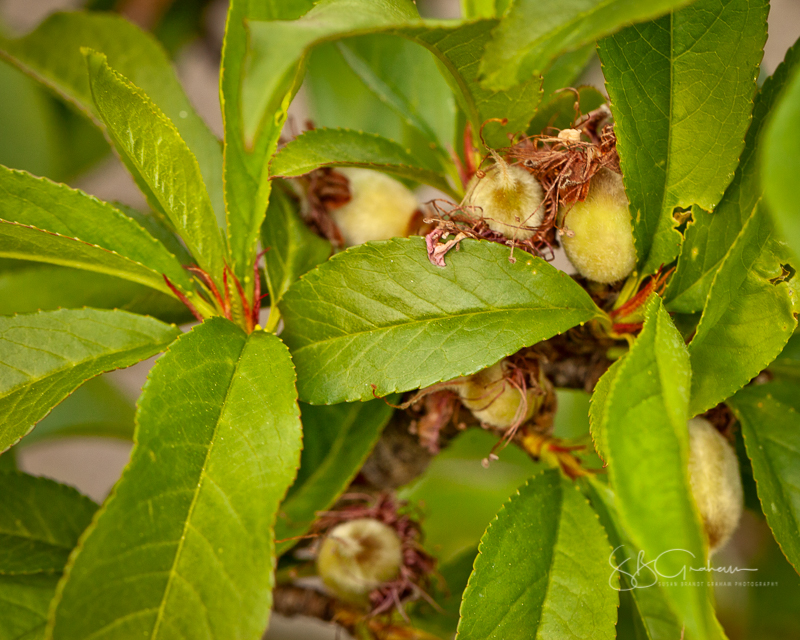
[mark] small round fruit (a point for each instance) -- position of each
(715, 480)
(359, 556)
(508, 198)
(601, 246)
(380, 208)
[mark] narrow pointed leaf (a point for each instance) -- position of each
(681, 90)
(337, 440)
(770, 419)
(52, 54)
(599, 407)
(184, 545)
(542, 569)
(148, 141)
(380, 318)
(40, 522)
(45, 356)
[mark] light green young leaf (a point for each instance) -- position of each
(52, 54)
(24, 602)
(544, 561)
(380, 318)
(747, 320)
(647, 445)
(292, 248)
(770, 419)
(40, 522)
(148, 141)
(599, 407)
(478, 8)
(337, 440)
(45, 356)
(533, 33)
(681, 90)
(346, 148)
(710, 235)
(184, 545)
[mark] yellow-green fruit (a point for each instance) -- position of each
(715, 480)
(509, 199)
(599, 243)
(380, 208)
(359, 556)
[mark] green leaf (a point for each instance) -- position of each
(544, 560)
(293, 249)
(771, 428)
(533, 33)
(337, 440)
(40, 522)
(346, 148)
(647, 452)
(52, 54)
(148, 141)
(681, 90)
(184, 545)
(24, 602)
(559, 110)
(52, 207)
(566, 69)
(787, 364)
(45, 356)
(710, 235)
(348, 321)
(748, 318)
(599, 407)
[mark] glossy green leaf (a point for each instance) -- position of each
(770, 419)
(45, 356)
(52, 54)
(346, 148)
(40, 203)
(293, 249)
(748, 318)
(337, 440)
(544, 561)
(184, 545)
(710, 235)
(647, 446)
(380, 318)
(148, 141)
(24, 602)
(533, 33)
(599, 407)
(681, 90)
(40, 522)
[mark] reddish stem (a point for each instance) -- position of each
(183, 299)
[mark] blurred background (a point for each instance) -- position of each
(43, 135)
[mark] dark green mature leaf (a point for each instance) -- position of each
(24, 602)
(184, 545)
(52, 54)
(40, 203)
(148, 141)
(748, 318)
(533, 33)
(293, 249)
(337, 440)
(710, 235)
(346, 148)
(770, 419)
(40, 521)
(544, 561)
(787, 364)
(380, 318)
(681, 90)
(45, 356)
(647, 446)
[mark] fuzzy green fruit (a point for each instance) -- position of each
(599, 242)
(715, 480)
(380, 208)
(359, 556)
(508, 198)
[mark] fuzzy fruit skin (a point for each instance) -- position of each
(715, 480)
(380, 208)
(492, 400)
(507, 197)
(359, 556)
(601, 248)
